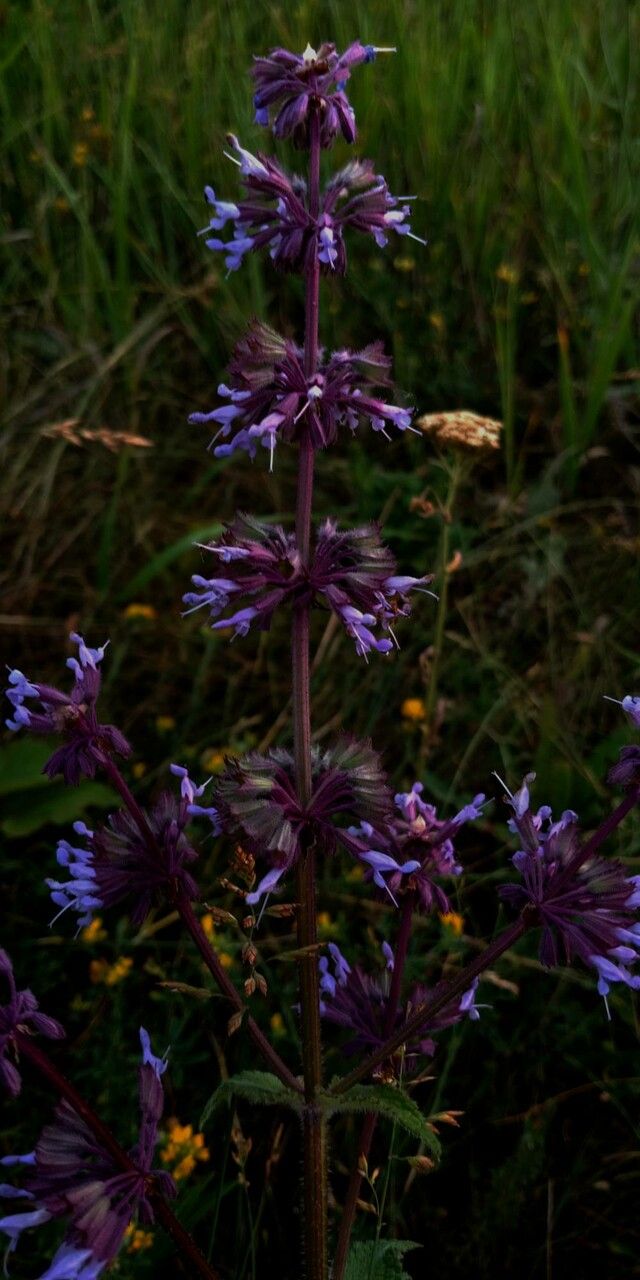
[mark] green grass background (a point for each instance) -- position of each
(516, 124)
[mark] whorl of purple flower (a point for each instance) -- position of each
(414, 847)
(256, 796)
(88, 744)
(20, 1013)
(592, 914)
(72, 1176)
(626, 771)
(271, 398)
(307, 83)
(357, 1001)
(274, 214)
(352, 571)
(121, 862)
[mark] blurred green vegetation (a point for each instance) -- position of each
(515, 123)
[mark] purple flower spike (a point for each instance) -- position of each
(630, 705)
(71, 1176)
(273, 400)
(592, 915)
(87, 744)
(300, 84)
(20, 1013)
(121, 863)
(389, 957)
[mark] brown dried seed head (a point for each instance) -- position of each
(249, 987)
(462, 429)
(249, 954)
(261, 984)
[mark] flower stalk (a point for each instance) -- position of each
(314, 1126)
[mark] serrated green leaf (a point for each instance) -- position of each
(389, 1102)
(260, 1087)
(27, 811)
(378, 1260)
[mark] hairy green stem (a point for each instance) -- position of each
(314, 1126)
(189, 1252)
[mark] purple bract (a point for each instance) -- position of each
(71, 1176)
(87, 744)
(302, 84)
(20, 1013)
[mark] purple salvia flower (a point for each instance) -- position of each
(120, 862)
(359, 1002)
(626, 772)
(389, 957)
(20, 1013)
(299, 84)
(87, 745)
(419, 843)
(256, 796)
(592, 914)
(351, 571)
(274, 215)
(72, 1176)
(272, 399)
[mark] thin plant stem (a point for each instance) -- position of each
(313, 1123)
(443, 592)
(164, 1215)
(269, 1054)
(207, 951)
(369, 1122)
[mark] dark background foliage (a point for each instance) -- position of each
(516, 125)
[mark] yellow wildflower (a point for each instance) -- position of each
(100, 971)
(405, 263)
(61, 204)
(164, 723)
(507, 273)
(87, 113)
(276, 1022)
(325, 922)
(355, 874)
(183, 1149)
(208, 926)
(94, 932)
(80, 154)
(140, 611)
(413, 709)
(137, 1239)
(139, 769)
(451, 920)
(437, 322)
(212, 760)
(225, 959)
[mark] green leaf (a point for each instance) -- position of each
(56, 804)
(389, 1102)
(378, 1260)
(21, 764)
(260, 1087)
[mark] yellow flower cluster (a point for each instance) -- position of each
(413, 709)
(94, 932)
(451, 920)
(100, 971)
(183, 1149)
(137, 1239)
